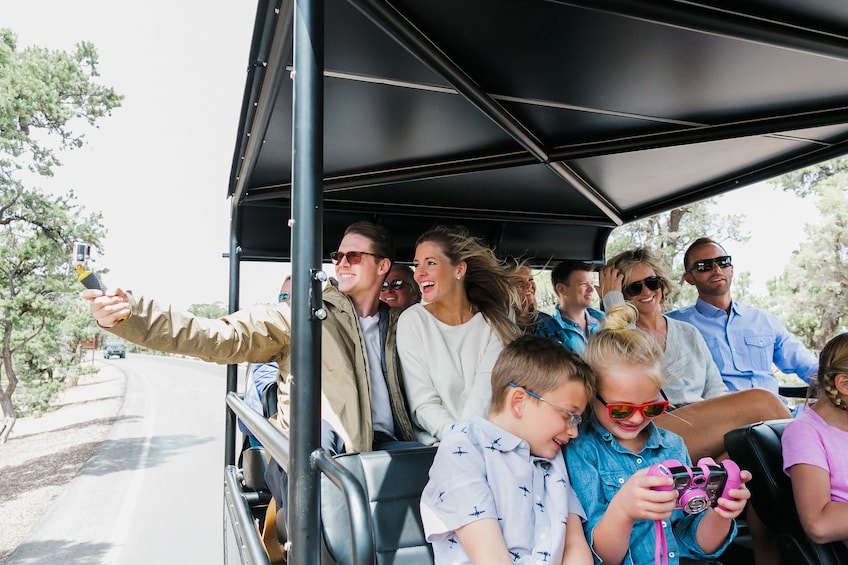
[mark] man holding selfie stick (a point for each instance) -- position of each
(745, 342)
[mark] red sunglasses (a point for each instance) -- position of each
(623, 410)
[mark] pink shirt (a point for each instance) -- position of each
(809, 439)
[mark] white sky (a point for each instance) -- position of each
(158, 167)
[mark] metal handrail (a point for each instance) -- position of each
(362, 538)
(272, 439)
(251, 550)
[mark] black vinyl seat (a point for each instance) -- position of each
(756, 447)
(392, 483)
(269, 400)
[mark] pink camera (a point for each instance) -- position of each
(700, 487)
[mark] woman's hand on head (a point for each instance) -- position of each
(609, 279)
(108, 309)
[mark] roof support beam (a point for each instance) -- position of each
(273, 80)
(396, 26)
(767, 125)
(735, 25)
(766, 172)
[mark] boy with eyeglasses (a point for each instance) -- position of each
(745, 342)
(499, 491)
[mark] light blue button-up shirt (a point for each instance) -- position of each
(599, 466)
(746, 343)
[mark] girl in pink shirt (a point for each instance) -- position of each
(814, 450)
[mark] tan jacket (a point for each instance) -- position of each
(262, 334)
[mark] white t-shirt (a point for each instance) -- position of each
(447, 370)
(381, 406)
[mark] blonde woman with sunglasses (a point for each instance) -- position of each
(627, 510)
(638, 276)
(703, 409)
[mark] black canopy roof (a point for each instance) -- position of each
(540, 125)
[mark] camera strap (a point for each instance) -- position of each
(660, 546)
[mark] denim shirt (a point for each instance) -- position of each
(745, 343)
(599, 466)
(569, 334)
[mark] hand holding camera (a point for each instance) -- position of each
(699, 488)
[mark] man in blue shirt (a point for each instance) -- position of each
(575, 318)
(745, 342)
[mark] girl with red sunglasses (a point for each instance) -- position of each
(609, 460)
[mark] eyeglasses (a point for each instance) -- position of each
(635, 288)
(622, 410)
(396, 284)
(707, 264)
(284, 296)
(574, 420)
(353, 257)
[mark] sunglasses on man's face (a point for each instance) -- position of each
(707, 264)
(353, 257)
(635, 288)
(396, 284)
(623, 410)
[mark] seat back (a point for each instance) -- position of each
(756, 447)
(269, 400)
(393, 482)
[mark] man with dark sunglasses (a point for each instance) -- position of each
(745, 342)
(400, 290)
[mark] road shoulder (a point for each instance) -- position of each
(44, 454)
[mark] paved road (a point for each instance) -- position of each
(152, 493)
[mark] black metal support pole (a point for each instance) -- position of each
(307, 214)
(232, 370)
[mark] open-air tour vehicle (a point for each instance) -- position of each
(539, 125)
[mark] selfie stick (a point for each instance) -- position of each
(82, 253)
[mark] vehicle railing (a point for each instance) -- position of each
(277, 445)
(272, 439)
(359, 512)
(251, 549)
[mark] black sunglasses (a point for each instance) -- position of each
(396, 284)
(353, 257)
(707, 264)
(635, 288)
